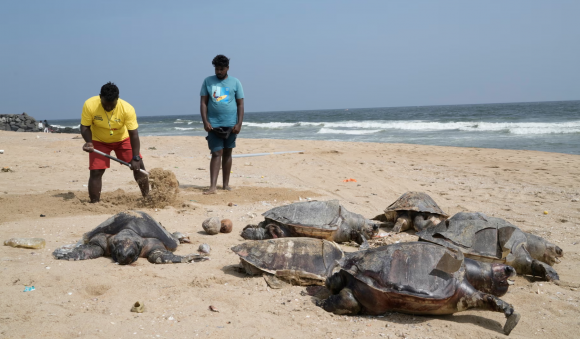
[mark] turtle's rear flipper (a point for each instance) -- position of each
(544, 271)
(274, 282)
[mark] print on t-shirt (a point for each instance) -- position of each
(219, 93)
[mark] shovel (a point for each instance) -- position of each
(119, 161)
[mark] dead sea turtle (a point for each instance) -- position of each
(299, 261)
(408, 278)
(496, 240)
(127, 236)
(316, 219)
(413, 209)
(308, 261)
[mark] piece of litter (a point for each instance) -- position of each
(349, 180)
(29, 288)
(213, 308)
(48, 267)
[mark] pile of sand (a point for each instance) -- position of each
(164, 189)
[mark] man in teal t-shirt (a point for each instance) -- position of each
(222, 112)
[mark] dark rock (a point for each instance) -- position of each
(20, 130)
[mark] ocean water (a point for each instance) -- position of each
(543, 126)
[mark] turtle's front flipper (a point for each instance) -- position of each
(543, 270)
(474, 299)
(163, 256)
(360, 239)
(82, 252)
(522, 261)
(341, 303)
(403, 223)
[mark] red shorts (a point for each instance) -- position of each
(123, 151)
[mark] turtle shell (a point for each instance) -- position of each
(139, 222)
(476, 235)
(415, 201)
(311, 218)
(292, 258)
(418, 269)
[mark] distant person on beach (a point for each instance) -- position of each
(110, 124)
(40, 126)
(222, 119)
(45, 126)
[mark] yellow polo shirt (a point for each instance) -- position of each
(122, 119)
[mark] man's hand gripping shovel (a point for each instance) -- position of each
(119, 161)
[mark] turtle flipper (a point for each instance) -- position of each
(403, 223)
(544, 270)
(82, 252)
(360, 239)
(163, 256)
(484, 301)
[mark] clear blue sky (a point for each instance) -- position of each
(291, 55)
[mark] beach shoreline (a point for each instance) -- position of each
(537, 191)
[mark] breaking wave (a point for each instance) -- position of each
(347, 131)
(374, 126)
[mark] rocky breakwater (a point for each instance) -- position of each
(25, 123)
(18, 123)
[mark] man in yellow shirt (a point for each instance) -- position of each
(110, 124)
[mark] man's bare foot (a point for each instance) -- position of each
(227, 188)
(210, 191)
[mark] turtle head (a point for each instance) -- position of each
(543, 250)
(501, 278)
(371, 228)
(125, 248)
(489, 278)
(254, 232)
(335, 283)
(552, 254)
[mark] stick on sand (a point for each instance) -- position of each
(119, 161)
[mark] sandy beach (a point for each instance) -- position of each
(537, 191)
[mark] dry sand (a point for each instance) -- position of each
(93, 298)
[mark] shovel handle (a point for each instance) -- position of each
(119, 161)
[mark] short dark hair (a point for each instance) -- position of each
(220, 61)
(110, 92)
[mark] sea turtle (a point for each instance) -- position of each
(316, 219)
(413, 209)
(411, 279)
(299, 261)
(308, 261)
(496, 240)
(127, 236)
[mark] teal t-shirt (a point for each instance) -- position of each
(222, 110)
